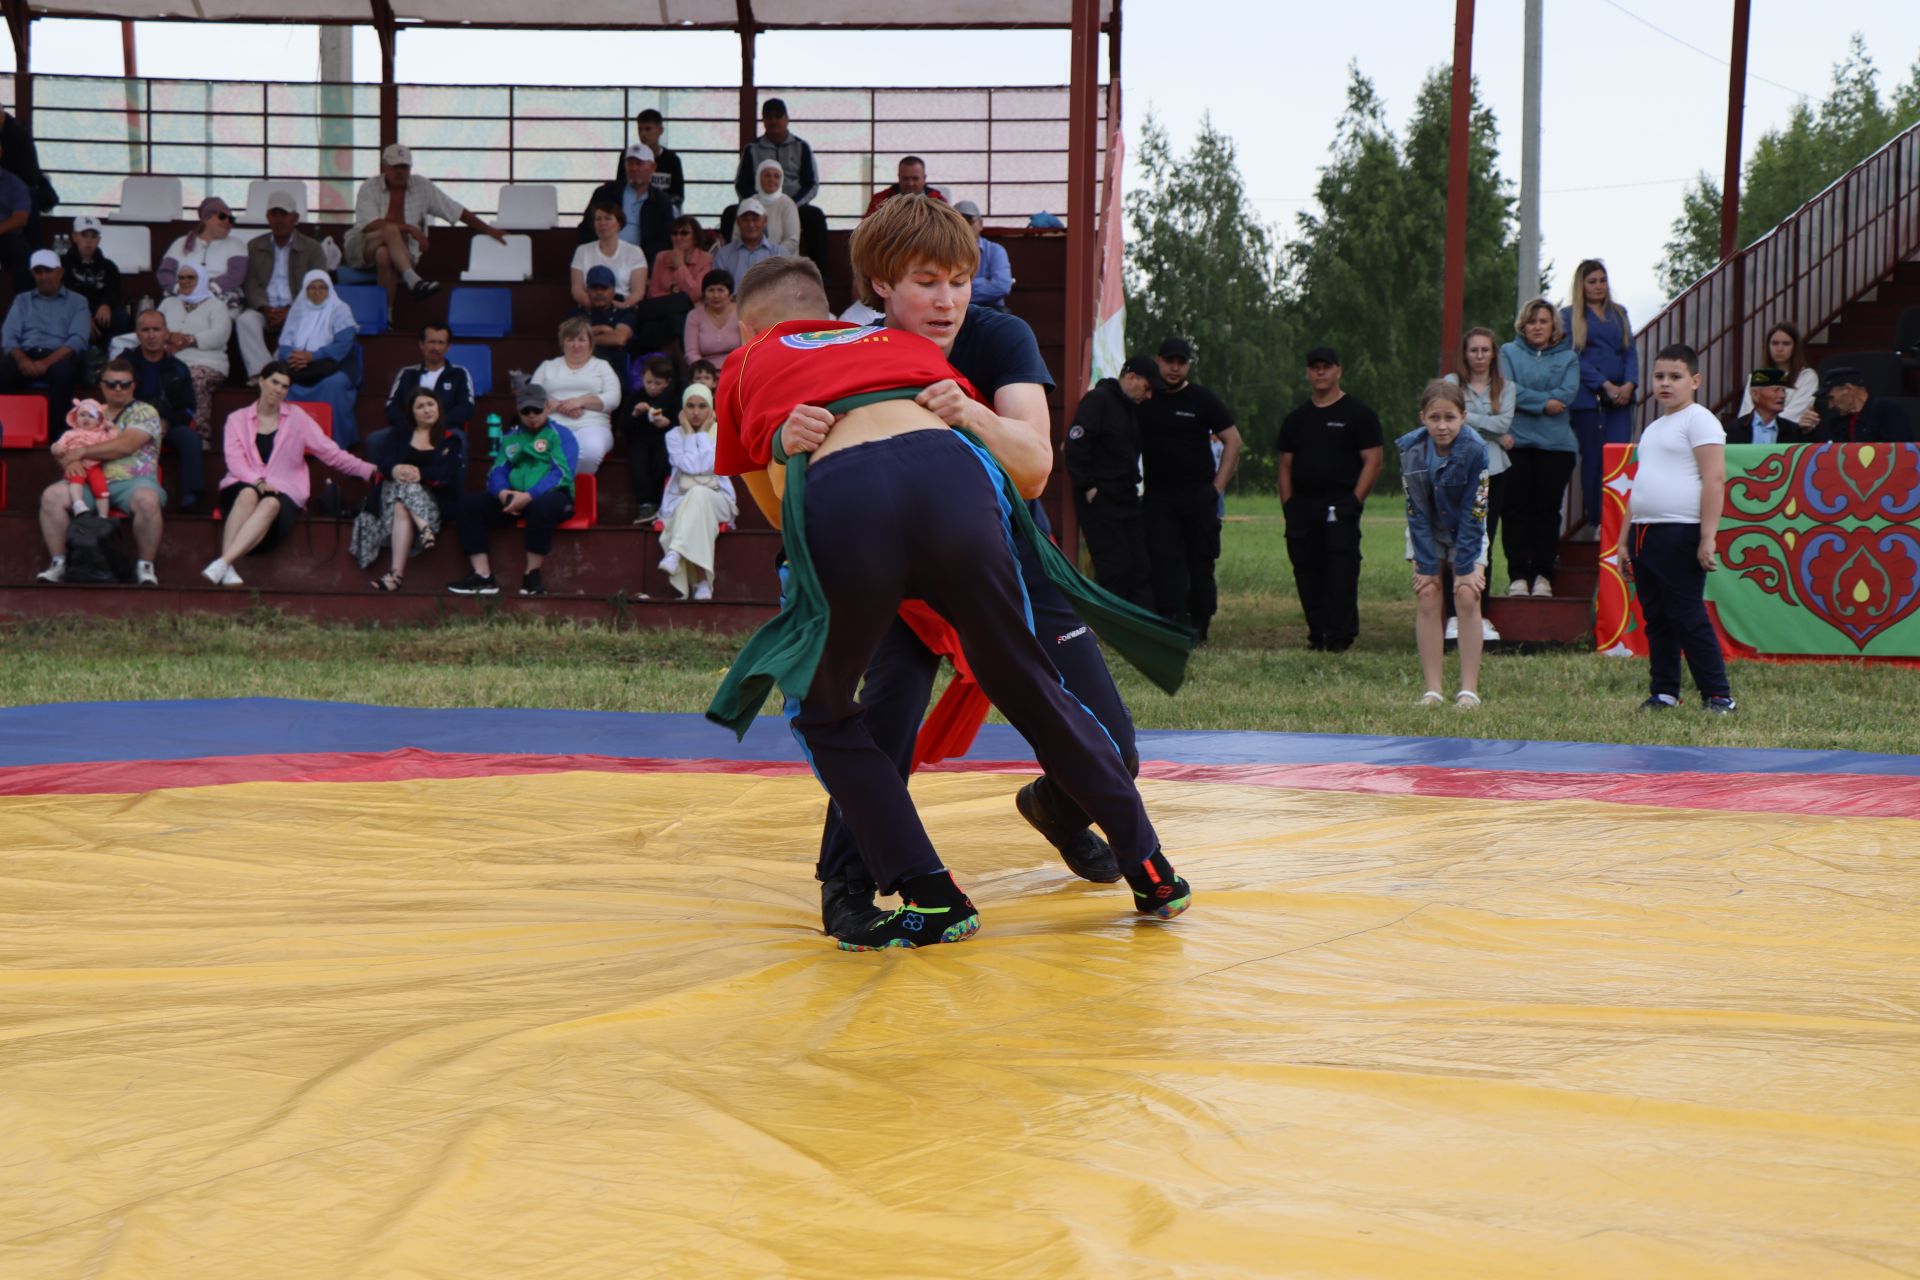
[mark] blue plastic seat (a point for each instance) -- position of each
(369, 304)
(480, 312)
(477, 359)
(356, 275)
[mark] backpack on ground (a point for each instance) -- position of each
(93, 551)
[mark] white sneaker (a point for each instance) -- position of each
(703, 591)
(55, 572)
(670, 562)
(144, 576)
(1518, 587)
(1541, 587)
(1487, 632)
(216, 569)
(1453, 628)
(228, 578)
(1432, 698)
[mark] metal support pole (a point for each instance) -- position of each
(336, 123)
(1454, 286)
(389, 35)
(1083, 146)
(20, 25)
(1528, 284)
(749, 91)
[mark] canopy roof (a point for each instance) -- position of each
(616, 14)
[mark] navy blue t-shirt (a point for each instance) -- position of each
(995, 349)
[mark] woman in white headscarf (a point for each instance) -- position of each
(783, 215)
(317, 344)
(698, 502)
(199, 325)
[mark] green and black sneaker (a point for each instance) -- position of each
(1157, 890)
(932, 910)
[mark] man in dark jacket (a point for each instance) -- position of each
(1855, 416)
(163, 381)
(451, 385)
(1103, 459)
(647, 209)
(1184, 484)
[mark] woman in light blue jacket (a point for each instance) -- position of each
(1602, 336)
(1546, 377)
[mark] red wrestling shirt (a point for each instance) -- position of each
(812, 362)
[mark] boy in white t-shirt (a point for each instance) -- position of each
(1667, 540)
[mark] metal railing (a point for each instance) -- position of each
(1003, 148)
(1805, 271)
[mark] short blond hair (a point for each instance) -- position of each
(781, 289)
(1526, 313)
(575, 327)
(906, 232)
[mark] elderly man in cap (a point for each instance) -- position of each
(1854, 414)
(749, 245)
(1330, 455)
(391, 209)
(1768, 390)
(46, 331)
(993, 279)
(1185, 480)
(276, 264)
(778, 142)
(1103, 460)
(643, 203)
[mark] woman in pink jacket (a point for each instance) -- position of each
(267, 446)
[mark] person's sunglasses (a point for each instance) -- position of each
(526, 411)
(224, 217)
(116, 384)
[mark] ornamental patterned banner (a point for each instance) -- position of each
(1819, 554)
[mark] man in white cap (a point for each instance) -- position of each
(277, 261)
(993, 281)
(749, 244)
(392, 209)
(46, 332)
(647, 208)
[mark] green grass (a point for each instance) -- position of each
(1257, 674)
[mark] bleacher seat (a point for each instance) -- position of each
(1879, 370)
(344, 274)
(477, 359)
(533, 206)
(369, 305)
(255, 214)
(23, 422)
(586, 504)
(480, 313)
(145, 199)
(130, 248)
(511, 262)
(322, 414)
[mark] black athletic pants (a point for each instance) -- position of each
(1323, 543)
(1536, 484)
(1115, 530)
(1183, 542)
(916, 517)
(647, 463)
(479, 513)
(1672, 586)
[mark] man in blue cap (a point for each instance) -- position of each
(612, 324)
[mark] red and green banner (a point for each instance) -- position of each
(1819, 554)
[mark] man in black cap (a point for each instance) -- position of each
(1330, 455)
(1768, 389)
(777, 142)
(1103, 460)
(1178, 426)
(1855, 416)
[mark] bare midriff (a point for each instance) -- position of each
(880, 421)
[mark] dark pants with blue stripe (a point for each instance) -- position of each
(1672, 587)
(916, 517)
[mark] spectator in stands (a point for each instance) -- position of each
(611, 324)
(749, 244)
(45, 335)
(1762, 423)
(649, 417)
(276, 264)
(1787, 353)
(87, 426)
(212, 246)
(778, 142)
(533, 481)
(318, 346)
(422, 464)
(163, 380)
(267, 445)
(1602, 412)
(994, 280)
(646, 211)
(21, 158)
(1482, 375)
(450, 384)
(1546, 378)
(1443, 467)
(627, 263)
(682, 265)
(131, 461)
(783, 215)
(198, 327)
(1857, 416)
(582, 394)
(1330, 455)
(16, 243)
(1103, 460)
(391, 209)
(668, 175)
(704, 372)
(697, 502)
(713, 327)
(96, 277)
(910, 179)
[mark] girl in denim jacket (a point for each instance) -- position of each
(1445, 471)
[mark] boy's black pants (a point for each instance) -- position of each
(1672, 589)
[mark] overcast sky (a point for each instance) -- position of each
(1631, 111)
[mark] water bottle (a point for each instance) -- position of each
(495, 446)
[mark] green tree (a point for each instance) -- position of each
(1792, 164)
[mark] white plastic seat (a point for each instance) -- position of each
(509, 263)
(145, 199)
(255, 214)
(130, 248)
(529, 207)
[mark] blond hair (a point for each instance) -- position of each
(908, 232)
(1577, 306)
(1527, 309)
(575, 327)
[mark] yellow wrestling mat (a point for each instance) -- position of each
(582, 1025)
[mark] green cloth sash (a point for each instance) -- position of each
(527, 466)
(786, 651)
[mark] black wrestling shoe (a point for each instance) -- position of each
(533, 584)
(1081, 848)
(1157, 888)
(932, 910)
(846, 907)
(475, 584)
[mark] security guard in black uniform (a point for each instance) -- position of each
(1184, 484)
(1103, 461)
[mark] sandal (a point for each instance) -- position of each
(426, 541)
(389, 582)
